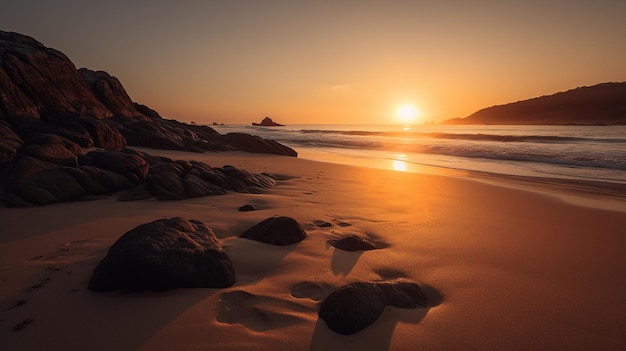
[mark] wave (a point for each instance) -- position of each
(482, 151)
(463, 136)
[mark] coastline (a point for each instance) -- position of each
(507, 268)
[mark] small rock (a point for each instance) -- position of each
(352, 243)
(247, 207)
(279, 231)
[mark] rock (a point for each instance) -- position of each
(352, 243)
(267, 122)
(10, 144)
(255, 144)
(322, 224)
(247, 208)
(38, 81)
(355, 306)
(103, 133)
(51, 148)
(110, 92)
(130, 165)
(176, 180)
(279, 231)
(32, 182)
(162, 255)
(243, 181)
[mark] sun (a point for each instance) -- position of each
(407, 113)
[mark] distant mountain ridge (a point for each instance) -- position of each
(601, 104)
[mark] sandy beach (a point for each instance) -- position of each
(506, 265)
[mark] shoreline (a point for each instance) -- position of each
(526, 269)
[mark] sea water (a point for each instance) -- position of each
(572, 152)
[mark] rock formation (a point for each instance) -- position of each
(42, 90)
(31, 181)
(267, 122)
(162, 255)
(49, 112)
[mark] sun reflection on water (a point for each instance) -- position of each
(399, 163)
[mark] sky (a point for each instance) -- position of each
(339, 62)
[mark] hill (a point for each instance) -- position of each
(602, 104)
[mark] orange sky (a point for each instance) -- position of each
(332, 61)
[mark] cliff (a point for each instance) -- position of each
(594, 105)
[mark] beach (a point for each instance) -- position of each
(506, 264)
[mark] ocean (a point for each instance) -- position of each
(595, 153)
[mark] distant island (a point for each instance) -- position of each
(267, 122)
(601, 104)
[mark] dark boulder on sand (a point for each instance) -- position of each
(278, 231)
(352, 242)
(355, 306)
(162, 255)
(247, 208)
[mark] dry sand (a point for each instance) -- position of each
(504, 268)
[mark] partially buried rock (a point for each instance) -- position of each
(164, 254)
(352, 243)
(279, 231)
(355, 306)
(247, 208)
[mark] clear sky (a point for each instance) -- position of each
(332, 61)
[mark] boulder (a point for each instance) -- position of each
(131, 166)
(162, 255)
(33, 182)
(256, 144)
(278, 231)
(355, 306)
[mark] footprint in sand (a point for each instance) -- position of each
(259, 313)
(308, 290)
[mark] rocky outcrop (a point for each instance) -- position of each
(41, 89)
(355, 306)
(278, 231)
(267, 122)
(39, 82)
(162, 255)
(30, 181)
(49, 112)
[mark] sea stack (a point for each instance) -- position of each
(267, 122)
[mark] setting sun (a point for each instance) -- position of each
(407, 113)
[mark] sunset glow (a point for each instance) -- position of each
(407, 113)
(235, 62)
